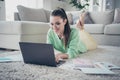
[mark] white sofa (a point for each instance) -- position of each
(12, 32)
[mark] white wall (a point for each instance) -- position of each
(117, 3)
(56, 4)
(53, 4)
(11, 6)
(2, 10)
(47, 4)
(39, 3)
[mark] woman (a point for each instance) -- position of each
(66, 40)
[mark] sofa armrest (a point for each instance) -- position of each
(23, 27)
(13, 32)
(113, 29)
(30, 27)
(9, 27)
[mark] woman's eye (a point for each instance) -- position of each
(57, 23)
(51, 24)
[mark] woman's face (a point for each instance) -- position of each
(57, 24)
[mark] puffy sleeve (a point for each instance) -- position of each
(76, 46)
(49, 37)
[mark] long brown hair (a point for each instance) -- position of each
(61, 12)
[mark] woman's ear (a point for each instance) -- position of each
(65, 21)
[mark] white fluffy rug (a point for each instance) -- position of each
(21, 71)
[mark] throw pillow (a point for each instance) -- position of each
(69, 16)
(47, 14)
(117, 16)
(76, 17)
(87, 19)
(29, 14)
(103, 17)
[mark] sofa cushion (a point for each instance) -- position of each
(16, 16)
(29, 14)
(75, 16)
(94, 28)
(69, 16)
(117, 16)
(47, 12)
(105, 17)
(112, 29)
(87, 19)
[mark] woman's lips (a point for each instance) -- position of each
(56, 30)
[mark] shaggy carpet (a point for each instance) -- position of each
(17, 70)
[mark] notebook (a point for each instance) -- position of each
(91, 67)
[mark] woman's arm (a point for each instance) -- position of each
(76, 46)
(60, 56)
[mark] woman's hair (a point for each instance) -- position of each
(60, 12)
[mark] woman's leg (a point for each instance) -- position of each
(85, 37)
(80, 23)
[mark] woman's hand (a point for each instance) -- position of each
(80, 22)
(61, 56)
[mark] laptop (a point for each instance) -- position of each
(39, 53)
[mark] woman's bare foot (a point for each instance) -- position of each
(80, 22)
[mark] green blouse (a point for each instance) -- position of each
(74, 47)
